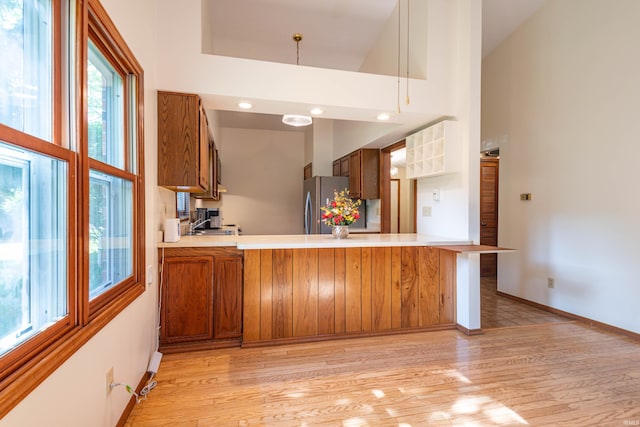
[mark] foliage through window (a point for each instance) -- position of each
(71, 207)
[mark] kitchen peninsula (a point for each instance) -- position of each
(305, 287)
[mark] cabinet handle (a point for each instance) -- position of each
(484, 224)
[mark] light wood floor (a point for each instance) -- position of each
(499, 312)
(553, 374)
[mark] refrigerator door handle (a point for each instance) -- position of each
(307, 214)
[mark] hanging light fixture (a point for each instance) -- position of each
(296, 119)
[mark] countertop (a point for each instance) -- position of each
(314, 241)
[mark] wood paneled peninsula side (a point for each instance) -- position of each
(304, 288)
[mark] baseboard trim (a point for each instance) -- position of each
(572, 316)
(132, 401)
(469, 332)
(331, 337)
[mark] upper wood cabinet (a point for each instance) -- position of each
(336, 167)
(308, 171)
(344, 166)
(363, 169)
(214, 169)
(183, 143)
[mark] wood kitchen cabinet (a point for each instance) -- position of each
(308, 171)
(336, 168)
(362, 168)
(201, 298)
(183, 143)
(228, 299)
(214, 169)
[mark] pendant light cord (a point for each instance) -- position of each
(398, 94)
(408, 18)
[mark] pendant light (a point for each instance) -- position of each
(296, 119)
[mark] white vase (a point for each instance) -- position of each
(340, 231)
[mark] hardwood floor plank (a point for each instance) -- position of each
(560, 374)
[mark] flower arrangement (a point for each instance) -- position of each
(342, 210)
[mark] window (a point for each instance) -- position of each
(110, 232)
(71, 208)
(33, 242)
(183, 208)
(111, 197)
(26, 69)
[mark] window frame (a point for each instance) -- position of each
(105, 37)
(23, 368)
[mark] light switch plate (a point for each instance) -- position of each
(149, 274)
(426, 211)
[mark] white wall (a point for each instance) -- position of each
(457, 213)
(563, 95)
(262, 171)
(75, 394)
(378, 59)
(322, 147)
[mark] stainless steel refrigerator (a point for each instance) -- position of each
(318, 191)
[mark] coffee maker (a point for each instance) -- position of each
(214, 215)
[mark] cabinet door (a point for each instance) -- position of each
(212, 193)
(344, 166)
(203, 158)
(308, 171)
(228, 301)
(369, 173)
(355, 182)
(187, 299)
(336, 167)
(182, 148)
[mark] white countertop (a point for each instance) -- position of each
(314, 241)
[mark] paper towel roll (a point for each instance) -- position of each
(171, 229)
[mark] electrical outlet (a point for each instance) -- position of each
(426, 211)
(109, 380)
(551, 283)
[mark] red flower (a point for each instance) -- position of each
(333, 204)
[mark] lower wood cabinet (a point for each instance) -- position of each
(201, 298)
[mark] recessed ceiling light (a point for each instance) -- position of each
(245, 105)
(316, 111)
(383, 116)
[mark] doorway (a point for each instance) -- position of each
(489, 171)
(397, 194)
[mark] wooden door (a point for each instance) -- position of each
(489, 214)
(228, 301)
(187, 299)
